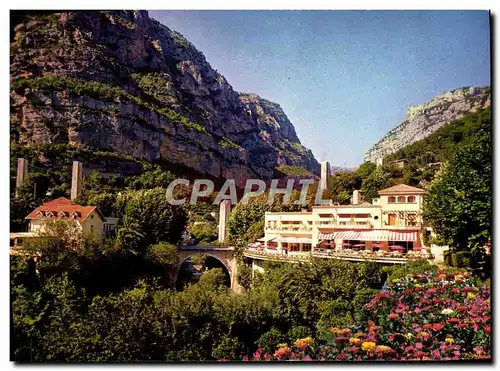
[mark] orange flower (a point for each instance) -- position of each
(304, 343)
(393, 316)
(282, 352)
(344, 331)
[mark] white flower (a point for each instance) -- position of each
(447, 311)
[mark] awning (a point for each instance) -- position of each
(295, 239)
(372, 235)
(265, 239)
(402, 236)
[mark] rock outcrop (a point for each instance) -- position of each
(423, 120)
(120, 81)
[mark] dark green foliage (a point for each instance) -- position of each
(458, 203)
(342, 184)
(298, 332)
(156, 219)
(204, 232)
(269, 340)
(151, 177)
(244, 275)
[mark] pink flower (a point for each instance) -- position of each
(436, 354)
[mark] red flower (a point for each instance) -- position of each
(393, 316)
(427, 326)
(453, 320)
(437, 327)
(487, 329)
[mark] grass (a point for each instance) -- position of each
(226, 143)
(293, 170)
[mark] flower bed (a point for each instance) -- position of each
(431, 316)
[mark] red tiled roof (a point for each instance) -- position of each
(59, 206)
(401, 189)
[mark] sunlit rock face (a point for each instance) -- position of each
(121, 81)
(424, 119)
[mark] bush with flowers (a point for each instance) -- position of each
(421, 317)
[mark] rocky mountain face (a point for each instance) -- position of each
(422, 120)
(120, 81)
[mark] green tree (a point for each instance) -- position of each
(458, 202)
(129, 233)
(157, 220)
(204, 232)
(343, 184)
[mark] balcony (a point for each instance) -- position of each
(298, 229)
(403, 224)
(381, 256)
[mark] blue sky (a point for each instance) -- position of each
(344, 78)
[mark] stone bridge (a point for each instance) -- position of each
(224, 254)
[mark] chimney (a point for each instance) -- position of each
(224, 210)
(76, 180)
(22, 173)
(357, 197)
(324, 183)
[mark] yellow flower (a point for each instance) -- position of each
(471, 295)
(302, 344)
(447, 311)
(442, 275)
(459, 277)
(449, 340)
(368, 346)
(354, 341)
(409, 336)
(417, 285)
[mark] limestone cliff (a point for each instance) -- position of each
(422, 120)
(122, 82)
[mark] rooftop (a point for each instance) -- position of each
(401, 189)
(61, 208)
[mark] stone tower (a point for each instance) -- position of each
(324, 182)
(76, 180)
(224, 210)
(22, 173)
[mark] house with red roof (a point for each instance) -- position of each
(88, 218)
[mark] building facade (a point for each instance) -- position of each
(88, 220)
(392, 222)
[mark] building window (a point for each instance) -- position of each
(306, 247)
(284, 245)
(391, 219)
(294, 247)
(412, 199)
(392, 199)
(401, 199)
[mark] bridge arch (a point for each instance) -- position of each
(211, 262)
(222, 254)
